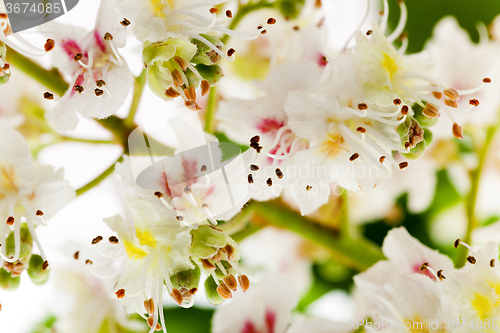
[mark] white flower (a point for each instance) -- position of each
(27, 191)
(204, 180)
(265, 118)
(463, 63)
(351, 139)
(100, 79)
(405, 256)
(83, 305)
(156, 248)
(157, 20)
(265, 308)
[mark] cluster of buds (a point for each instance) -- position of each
(10, 272)
(176, 68)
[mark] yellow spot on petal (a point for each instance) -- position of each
(482, 305)
(158, 6)
(145, 238)
(8, 179)
(332, 145)
(390, 65)
(133, 251)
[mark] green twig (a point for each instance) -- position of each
(139, 83)
(470, 200)
(51, 79)
(102, 142)
(99, 178)
(211, 106)
(358, 254)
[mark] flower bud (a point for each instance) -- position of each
(166, 63)
(422, 119)
(416, 151)
(210, 73)
(5, 70)
(290, 8)
(208, 242)
(186, 285)
(211, 292)
(7, 282)
(35, 270)
(205, 55)
(26, 243)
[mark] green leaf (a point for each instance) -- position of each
(179, 320)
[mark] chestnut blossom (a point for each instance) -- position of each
(265, 121)
(27, 191)
(100, 80)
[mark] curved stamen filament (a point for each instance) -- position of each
(344, 129)
(401, 24)
(385, 18)
(367, 12)
(89, 63)
(221, 267)
(166, 204)
(213, 47)
(209, 215)
(190, 198)
(414, 75)
(199, 185)
(472, 90)
(404, 45)
(380, 138)
(117, 55)
(376, 146)
(160, 302)
(31, 52)
(359, 148)
(194, 70)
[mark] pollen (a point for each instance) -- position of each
(397, 101)
(230, 52)
(440, 275)
(279, 173)
(487, 80)
(113, 240)
(177, 296)
(308, 187)
(203, 168)
(78, 88)
(369, 32)
(229, 14)
(120, 293)
(403, 165)
(452, 93)
(205, 88)
(88, 262)
(98, 92)
(213, 10)
(471, 259)
(48, 96)
(431, 111)
(255, 139)
(457, 131)
(271, 20)
(361, 130)
(362, 106)
(49, 45)
(244, 282)
(492, 263)
(125, 22)
(404, 110)
(269, 182)
(108, 36)
(39, 213)
(78, 57)
(172, 93)
(179, 218)
(224, 291)
(354, 157)
(474, 102)
(45, 265)
(76, 255)
(100, 83)
(451, 103)
(250, 179)
(10, 220)
(97, 240)
(381, 159)
(181, 62)
(159, 194)
(424, 266)
(254, 167)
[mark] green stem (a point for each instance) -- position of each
(52, 79)
(211, 106)
(470, 202)
(99, 178)
(357, 253)
(139, 83)
(103, 142)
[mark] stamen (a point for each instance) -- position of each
(10, 220)
(474, 102)
(49, 45)
(45, 265)
(381, 159)
(230, 52)
(176, 76)
(244, 282)
(224, 291)
(457, 131)
(451, 103)
(88, 262)
(269, 182)
(120, 293)
(207, 264)
(401, 24)
(192, 105)
(279, 173)
(114, 240)
(231, 282)
(460, 242)
(229, 14)
(209, 214)
(254, 167)
(308, 187)
(98, 92)
(385, 17)
(492, 263)
(205, 88)
(452, 94)
(250, 179)
(125, 22)
(177, 296)
(76, 255)
(172, 93)
(431, 111)
(271, 21)
(354, 157)
(471, 259)
(78, 88)
(97, 240)
(440, 275)
(403, 165)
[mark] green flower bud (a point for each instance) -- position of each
(210, 73)
(416, 151)
(211, 292)
(205, 55)
(7, 282)
(35, 270)
(290, 8)
(26, 243)
(209, 242)
(5, 71)
(166, 64)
